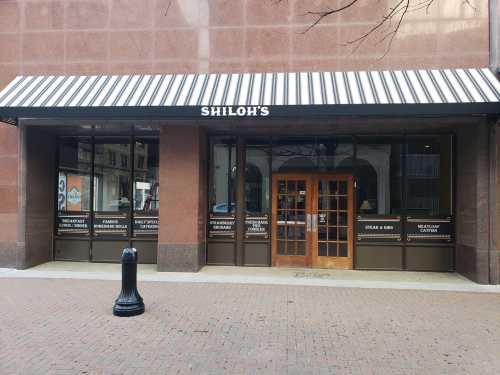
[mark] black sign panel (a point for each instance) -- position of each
(378, 228)
(115, 224)
(72, 224)
(429, 229)
(221, 226)
(257, 227)
(145, 225)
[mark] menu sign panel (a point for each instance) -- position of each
(145, 225)
(378, 228)
(115, 224)
(221, 226)
(257, 226)
(72, 223)
(429, 229)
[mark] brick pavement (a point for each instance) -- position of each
(65, 327)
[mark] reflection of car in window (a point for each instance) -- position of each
(119, 204)
(222, 208)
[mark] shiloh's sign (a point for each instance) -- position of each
(240, 111)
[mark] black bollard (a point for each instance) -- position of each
(129, 302)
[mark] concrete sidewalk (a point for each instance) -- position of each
(261, 275)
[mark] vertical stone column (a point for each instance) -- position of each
(36, 196)
(8, 195)
(181, 234)
(474, 202)
(495, 203)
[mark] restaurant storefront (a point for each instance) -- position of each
(366, 170)
(107, 197)
(363, 201)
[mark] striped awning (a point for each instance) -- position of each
(400, 92)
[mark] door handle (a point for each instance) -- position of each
(315, 222)
(308, 222)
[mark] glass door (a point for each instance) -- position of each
(112, 197)
(332, 220)
(72, 226)
(291, 220)
(312, 220)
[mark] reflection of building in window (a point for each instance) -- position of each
(111, 182)
(314, 156)
(140, 162)
(146, 186)
(423, 172)
(124, 160)
(112, 158)
(373, 173)
(223, 174)
(257, 177)
(253, 188)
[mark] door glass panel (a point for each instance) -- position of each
(342, 188)
(222, 176)
(342, 233)
(322, 233)
(332, 249)
(280, 232)
(334, 215)
(343, 249)
(342, 218)
(75, 159)
(281, 247)
(332, 218)
(111, 186)
(146, 187)
(301, 248)
(332, 203)
(342, 203)
(291, 217)
(332, 233)
(322, 249)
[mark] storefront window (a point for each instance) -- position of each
(379, 175)
(75, 155)
(73, 188)
(293, 154)
(146, 183)
(335, 154)
(222, 176)
(429, 175)
(111, 180)
(257, 178)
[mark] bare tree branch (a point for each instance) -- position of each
(392, 19)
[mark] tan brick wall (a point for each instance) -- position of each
(103, 36)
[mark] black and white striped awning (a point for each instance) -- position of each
(400, 92)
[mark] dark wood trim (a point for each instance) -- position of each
(240, 199)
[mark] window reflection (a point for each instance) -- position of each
(379, 175)
(146, 182)
(75, 157)
(257, 179)
(222, 176)
(429, 171)
(293, 155)
(335, 154)
(111, 179)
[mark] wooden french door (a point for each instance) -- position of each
(312, 219)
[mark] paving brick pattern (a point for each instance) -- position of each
(65, 327)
